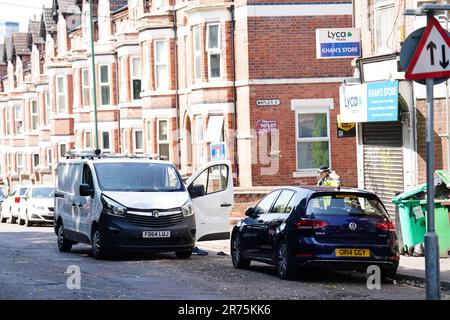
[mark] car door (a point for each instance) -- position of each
(254, 231)
(213, 208)
(84, 203)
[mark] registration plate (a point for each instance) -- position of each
(156, 234)
(343, 252)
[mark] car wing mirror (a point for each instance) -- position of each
(250, 212)
(86, 190)
(196, 191)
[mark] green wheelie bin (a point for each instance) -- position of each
(412, 217)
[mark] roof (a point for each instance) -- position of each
(19, 41)
(33, 33)
(320, 189)
(47, 22)
(8, 48)
(66, 6)
(118, 4)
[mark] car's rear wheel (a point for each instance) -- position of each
(285, 264)
(184, 254)
(64, 244)
(2, 220)
(238, 260)
(99, 249)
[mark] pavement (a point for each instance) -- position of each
(410, 268)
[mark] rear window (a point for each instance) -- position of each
(346, 205)
(42, 193)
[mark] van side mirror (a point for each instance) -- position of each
(250, 212)
(196, 190)
(86, 190)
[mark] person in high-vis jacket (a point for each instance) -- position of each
(328, 178)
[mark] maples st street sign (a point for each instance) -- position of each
(432, 56)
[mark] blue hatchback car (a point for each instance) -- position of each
(295, 227)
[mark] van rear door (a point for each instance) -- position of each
(213, 205)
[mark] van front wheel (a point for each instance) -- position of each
(64, 245)
(99, 250)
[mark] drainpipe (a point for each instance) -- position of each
(118, 107)
(177, 97)
(233, 66)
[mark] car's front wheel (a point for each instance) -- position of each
(284, 261)
(64, 244)
(239, 262)
(2, 220)
(99, 250)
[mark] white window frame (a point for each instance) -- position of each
(86, 133)
(8, 121)
(65, 148)
(159, 141)
(199, 140)
(197, 52)
(386, 4)
(135, 149)
(18, 119)
(123, 81)
(134, 76)
(85, 87)
(33, 159)
(318, 139)
(49, 157)
(59, 93)
(214, 51)
(148, 135)
(210, 130)
(34, 115)
(103, 141)
(159, 64)
(124, 141)
(9, 162)
(145, 66)
(105, 84)
(48, 108)
(20, 166)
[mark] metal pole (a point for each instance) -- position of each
(94, 86)
(432, 277)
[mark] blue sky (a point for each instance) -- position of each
(22, 11)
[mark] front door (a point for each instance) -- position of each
(213, 208)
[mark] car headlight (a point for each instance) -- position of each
(37, 207)
(187, 209)
(113, 208)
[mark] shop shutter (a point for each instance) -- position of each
(383, 160)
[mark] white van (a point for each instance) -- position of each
(139, 204)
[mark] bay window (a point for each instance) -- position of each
(105, 85)
(214, 50)
(161, 68)
(61, 106)
(34, 115)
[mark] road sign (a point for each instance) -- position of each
(431, 58)
(218, 151)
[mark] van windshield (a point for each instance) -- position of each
(345, 204)
(138, 177)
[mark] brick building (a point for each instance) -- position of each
(174, 77)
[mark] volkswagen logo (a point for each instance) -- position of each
(352, 226)
(155, 213)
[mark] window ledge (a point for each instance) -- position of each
(305, 174)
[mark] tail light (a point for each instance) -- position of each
(310, 224)
(385, 226)
(17, 199)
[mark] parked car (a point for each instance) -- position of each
(135, 204)
(295, 227)
(10, 206)
(37, 205)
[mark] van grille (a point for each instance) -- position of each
(152, 222)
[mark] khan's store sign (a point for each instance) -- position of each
(338, 43)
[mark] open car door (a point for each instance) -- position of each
(211, 190)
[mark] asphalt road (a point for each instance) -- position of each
(31, 267)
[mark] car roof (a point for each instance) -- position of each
(320, 189)
(117, 160)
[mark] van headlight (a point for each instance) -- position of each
(112, 207)
(187, 209)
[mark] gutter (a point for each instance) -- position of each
(233, 66)
(177, 96)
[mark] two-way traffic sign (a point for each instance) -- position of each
(432, 56)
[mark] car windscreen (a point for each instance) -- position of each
(138, 177)
(22, 191)
(346, 205)
(42, 193)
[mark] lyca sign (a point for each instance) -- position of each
(338, 43)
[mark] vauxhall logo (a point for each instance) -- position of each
(338, 35)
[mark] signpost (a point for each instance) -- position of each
(430, 61)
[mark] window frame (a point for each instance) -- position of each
(135, 149)
(197, 52)
(49, 157)
(158, 140)
(273, 201)
(20, 166)
(145, 66)
(34, 115)
(134, 77)
(48, 108)
(60, 149)
(148, 135)
(61, 94)
(288, 202)
(85, 134)
(105, 84)
(17, 119)
(214, 51)
(34, 160)
(313, 139)
(107, 150)
(8, 111)
(165, 63)
(386, 4)
(85, 85)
